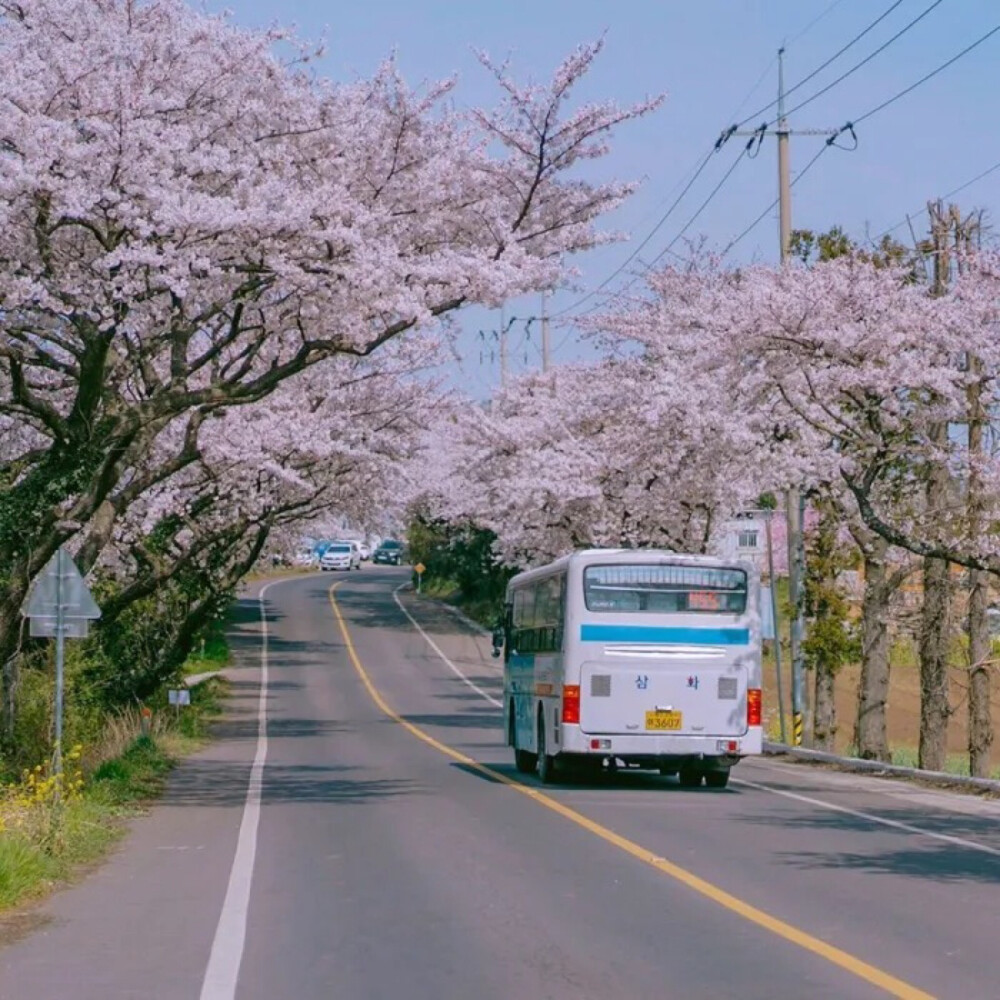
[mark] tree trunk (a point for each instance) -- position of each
(870, 735)
(8, 710)
(935, 625)
(824, 707)
(980, 654)
(935, 639)
(11, 625)
(828, 644)
(980, 645)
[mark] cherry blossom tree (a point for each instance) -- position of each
(608, 454)
(329, 440)
(849, 369)
(188, 221)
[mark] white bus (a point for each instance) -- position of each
(638, 657)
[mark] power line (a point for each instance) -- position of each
(753, 90)
(702, 206)
(687, 225)
(819, 69)
(934, 72)
(726, 134)
(843, 76)
(944, 197)
(673, 205)
(729, 132)
(635, 253)
(819, 17)
(770, 208)
(849, 126)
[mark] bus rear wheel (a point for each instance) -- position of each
(546, 762)
(689, 777)
(525, 761)
(717, 779)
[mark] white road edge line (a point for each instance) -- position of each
(223, 970)
(871, 818)
(437, 649)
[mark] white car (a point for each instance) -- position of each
(306, 559)
(363, 548)
(355, 545)
(341, 555)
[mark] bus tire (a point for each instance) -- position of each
(546, 762)
(717, 779)
(525, 761)
(689, 777)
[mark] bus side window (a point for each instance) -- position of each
(507, 623)
(560, 628)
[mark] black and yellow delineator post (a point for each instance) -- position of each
(797, 729)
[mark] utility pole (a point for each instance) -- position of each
(793, 497)
(784, 178)
(546, 360)
(794, 501)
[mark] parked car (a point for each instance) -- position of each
(366, 552)
(306, 559)
(340, 555)
(389, 553)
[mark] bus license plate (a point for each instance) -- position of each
(663, 720)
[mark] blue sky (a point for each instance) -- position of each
(707, 56)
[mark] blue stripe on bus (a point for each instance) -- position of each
(647, 633)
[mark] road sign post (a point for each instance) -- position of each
(59, 606)
(60, 658)
(419, 570)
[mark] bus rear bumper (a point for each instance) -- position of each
(647, 748)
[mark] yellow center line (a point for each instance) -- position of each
(844, 960)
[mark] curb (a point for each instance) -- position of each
(877, 767)
(195, 679)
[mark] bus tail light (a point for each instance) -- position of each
(571, 703)
(753, 707)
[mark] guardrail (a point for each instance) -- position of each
(878, 767)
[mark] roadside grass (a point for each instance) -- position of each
(24, 869)
(48, 840)
(482, 612)
(212, 654)
(957, 763)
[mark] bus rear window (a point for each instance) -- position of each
(665, 589)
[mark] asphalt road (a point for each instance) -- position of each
(358, 832)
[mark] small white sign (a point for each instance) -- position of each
(181, 697)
